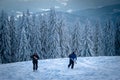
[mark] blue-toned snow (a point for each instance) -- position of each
(87, 68)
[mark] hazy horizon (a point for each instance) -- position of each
(59, 5)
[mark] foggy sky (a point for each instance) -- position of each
(61, 5)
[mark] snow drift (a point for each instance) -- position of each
(87, 68)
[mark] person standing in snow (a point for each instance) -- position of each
(72, 60)
(35, 58)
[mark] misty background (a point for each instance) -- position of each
(55, 28)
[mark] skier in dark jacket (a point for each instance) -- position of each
(72, 60)
(35, 58)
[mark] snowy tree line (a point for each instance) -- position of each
(49, 35)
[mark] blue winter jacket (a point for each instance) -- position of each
(73, 56)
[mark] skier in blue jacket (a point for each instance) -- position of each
(72, 60)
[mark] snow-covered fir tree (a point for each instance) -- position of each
(53, 36)
(87, 40)
(109, 39)
(13, 40)
(97, 38)
(76, 38)
(24, 35)
(63, 37)
(44, 36)
(24, 51)
(35, 38)
(117, 38)
(28, 26)
(5, 47)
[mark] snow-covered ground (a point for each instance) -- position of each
(87, 68)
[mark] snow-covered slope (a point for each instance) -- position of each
(87, 68)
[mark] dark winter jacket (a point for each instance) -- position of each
(35, 58)
(73, 56)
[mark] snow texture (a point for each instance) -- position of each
(87, 68)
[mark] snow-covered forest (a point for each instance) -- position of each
(51, 35)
